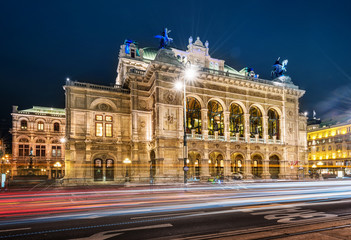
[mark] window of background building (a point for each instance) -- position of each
(329, 148)
(23, 150)
(56, 127)
(317, 149)
(40, 126)
(40, 150)
(100, 124)
(56, 151)
(24, 125)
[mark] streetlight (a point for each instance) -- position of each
(189, 74)
(127, 162)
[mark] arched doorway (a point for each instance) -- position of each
(109, 170)
(274, 168)
(256, 165)
(152, 166)
(216, 164)
(194, 164)
(98, 174)
(237, 162)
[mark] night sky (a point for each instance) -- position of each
(43, 42)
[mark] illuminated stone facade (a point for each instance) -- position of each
(134, 130)
(329, 149)
(42, 130)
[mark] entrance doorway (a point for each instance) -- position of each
(274, 168)
(257, 166)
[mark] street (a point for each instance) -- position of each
(196, 211)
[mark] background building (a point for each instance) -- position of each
(37, 142)
(133, 131)
(329, 148)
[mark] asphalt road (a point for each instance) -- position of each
(226, 211)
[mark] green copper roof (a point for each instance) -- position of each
(230, 69)
(150, 53)
(44, 111)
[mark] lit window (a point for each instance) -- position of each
(98, 118)
(108, 129)
(40, 126)
(98, 129)
(108, 119)
(56, 151)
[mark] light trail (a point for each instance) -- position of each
(63, 205)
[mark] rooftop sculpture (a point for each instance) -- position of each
(165, 40)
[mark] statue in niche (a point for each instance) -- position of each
(165, 40)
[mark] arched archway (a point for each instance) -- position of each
(257, 166)
(273, 124)
(215, 118)
(193, 115)
(236, 120)
(274, 166)
(256, 122)
(194, 164)
(216, 164)
(237, 163)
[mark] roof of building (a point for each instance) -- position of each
(49, 111)
(150, 54)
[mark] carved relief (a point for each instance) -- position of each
(237, 146)
(291, 100)
(170, 120)
(169, 97)
(103, 107)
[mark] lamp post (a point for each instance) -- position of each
(189, 74)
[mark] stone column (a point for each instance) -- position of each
(247, 127)
(204, 168)
(226, 126)
(265, 173)
(48, 169)
(204, 125)
(247, 169)
(283, 165)
(265, 128)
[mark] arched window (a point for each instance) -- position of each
(273, 124)
(236, 120)
(193, 115)
(24, 125)
(215, 118)
(40, 126)
(56, 127)
(255, 122)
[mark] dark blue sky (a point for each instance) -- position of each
(43, 42)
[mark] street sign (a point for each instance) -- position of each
(186, 168)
